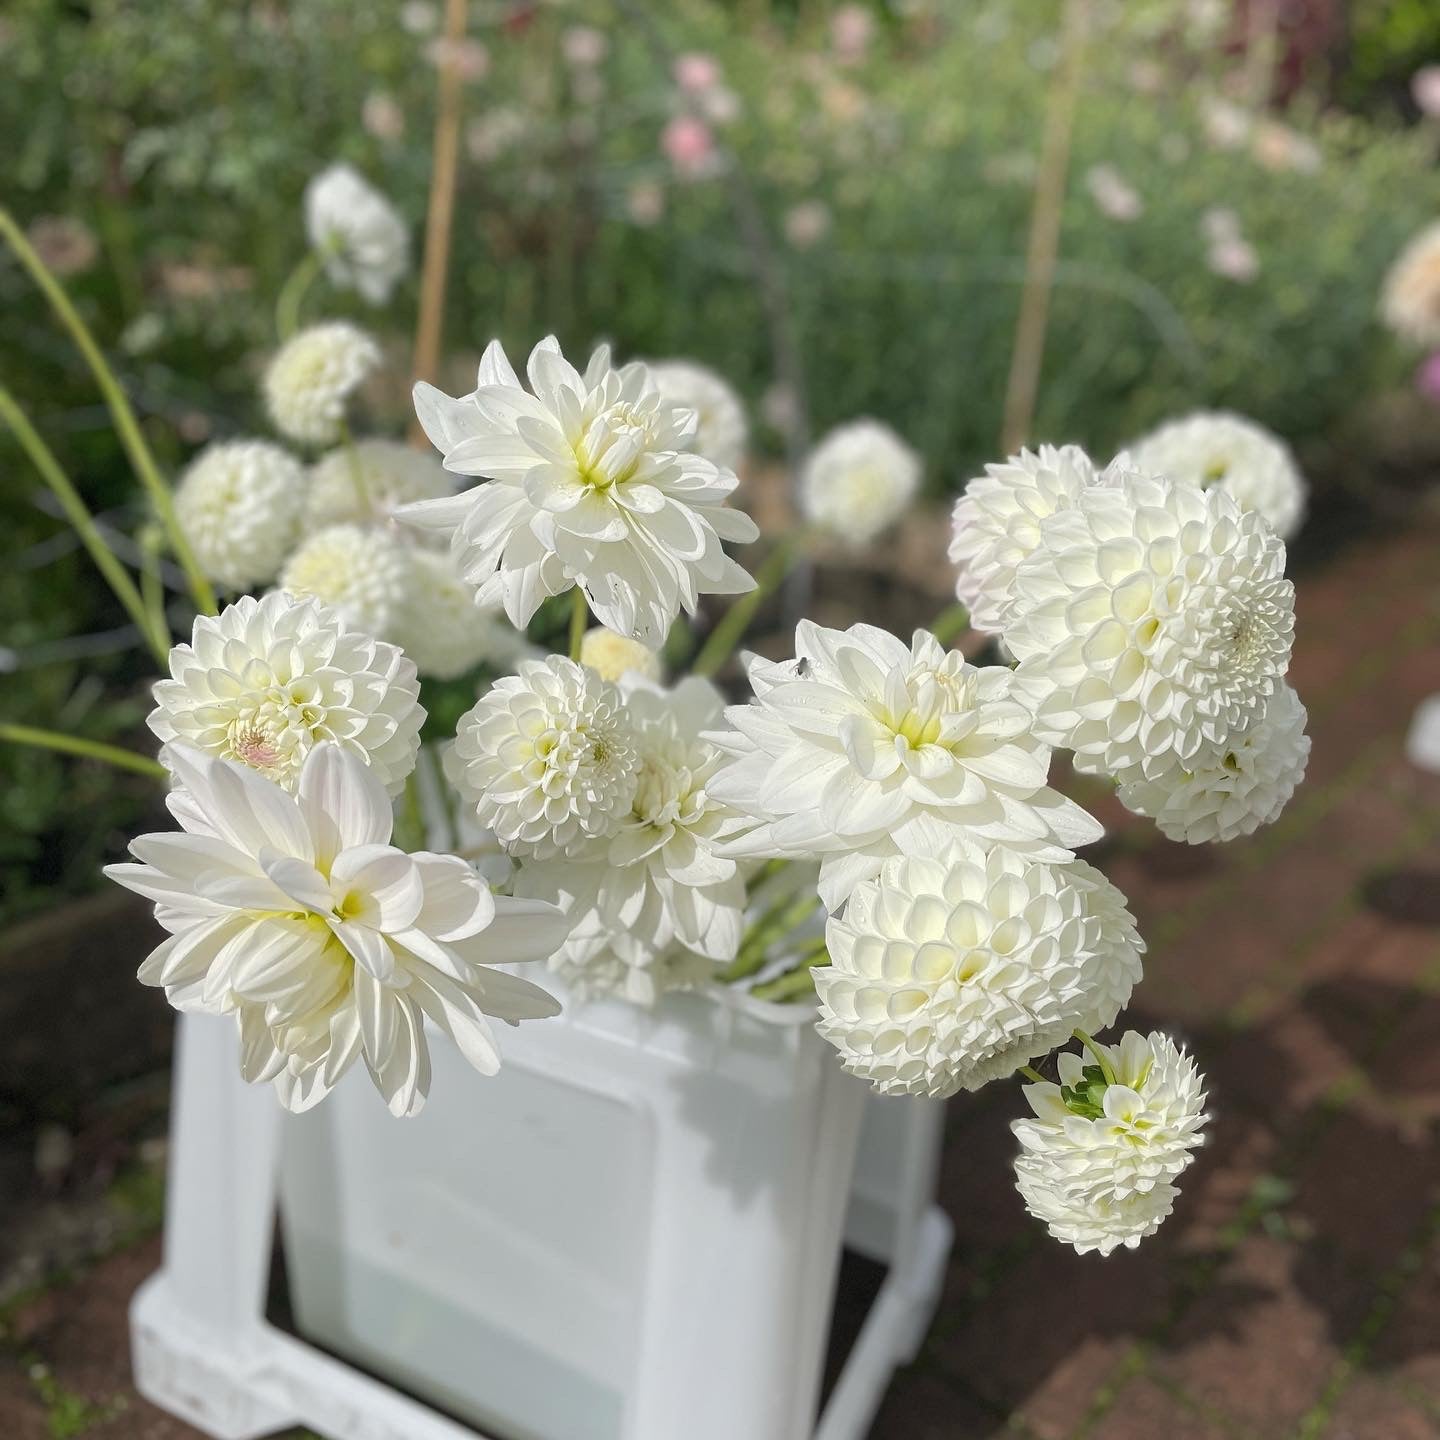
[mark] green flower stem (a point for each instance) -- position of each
(411, 829)
(950, 623)
(780, 919)
(75, 745)
(793, 985)
(292, 295)
(1101, 1058)
(126, 425)
(1031, 1073)
(731, 627)
(78, 514)
(152, 584)
(579, 615)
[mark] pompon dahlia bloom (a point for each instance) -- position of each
(295, 914)
(949, 972)
(547, 757)
(369, 481)
(996, 525)
(1099, 1160)
(266, 681)
(359, 570)
(239, 503)
(858, 481)
(653, 885)
(1232, 790)
(613, 656)
(441, 630)
(1410, 298)
(358, 233)
(863, 747)
(722, 430)
(1154, 622)
(312, 377)
(1215, 447)
(591, 483)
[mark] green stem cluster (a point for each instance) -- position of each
(74, 745)
(730, 629)
(779, 920)
(579, 617)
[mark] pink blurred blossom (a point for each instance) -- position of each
(469, 57)
(584, 46)
(851, 29)
(807, 223)
(1427, 377)
(696, 72)
(382, 116)
(1115, 197)
(66, 245)
(1425, 87)
(1234, 259)
(689, 146)
(645, 203)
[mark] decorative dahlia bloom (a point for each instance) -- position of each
(296, 915)
(1154, 623)
(863, 747)
(1410, 298)
(1233, 453)
(721, 428)
(360, 570)
(547, 757)
(996, 525)
(358, 233)
(612, 656)
(591, 484)
(265, 681)
(367, 482)
(239, 506)
(858, 481)
(948, 972)
(1232, 790)
(441, 629)
(1099, 1160)
(311, 378)
(655, 883)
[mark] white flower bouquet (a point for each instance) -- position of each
(873, 832)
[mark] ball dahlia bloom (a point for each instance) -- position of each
(591, 483)
(312, 377)
(858, 481)
(1099, 1159)
(368, 481)
(441, 629)
(655, 886)
(1226, 450)
(613, 656)
(547, 758)
(863, 747)
(239, 504)
(1232, 790)
(361, 571)
(266, 681)
(295, 914)
(1153, 623)
(1410, 297)
(721, 431)
(952, 971)
(359, 235)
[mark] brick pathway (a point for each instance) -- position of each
(1295, 1293)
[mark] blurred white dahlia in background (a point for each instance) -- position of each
(722, 430)
(591, 483)
(359, 235)
(1214, 447)
(1232, 790)
(1410, 299)
(858, 481)
(369, 481)
(1099, 1160)
(359, 570)
(547, 757)
(949, 972)
(239, 504)
(312, 377)
(613, 656)
(442, 630)
(265, 681)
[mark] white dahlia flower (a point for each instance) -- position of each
(1218, 448)
(948, 972)
(1410, 299)
(369, 481)
(265, 681)
(1232, 790)
(548, 758)
(863, 747)
(313, 375)
(239, 503)
(996, 525)
(296, 915)
(358, 233)
(611, 656)
(722, 430)
(442, 630)
(1099, 1160)
(1156, 623)
(655, 884)
(591, 484)
(359, 570)
(858, 481)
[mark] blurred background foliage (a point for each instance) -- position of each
(1233, 204)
